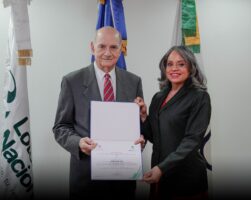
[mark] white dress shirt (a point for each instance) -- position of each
(100, 75)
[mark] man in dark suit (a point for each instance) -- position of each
(72, 123)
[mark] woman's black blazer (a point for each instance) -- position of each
(176, 131)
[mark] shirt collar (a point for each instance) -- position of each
(101, 73)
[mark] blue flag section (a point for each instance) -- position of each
(111, 13)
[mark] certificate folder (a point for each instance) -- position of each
(115, 126)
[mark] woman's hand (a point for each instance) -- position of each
(153, 176)
(143, 108)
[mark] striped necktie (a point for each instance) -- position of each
(108, 90)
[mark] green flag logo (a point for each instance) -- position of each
(11, 94)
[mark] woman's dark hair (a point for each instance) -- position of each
(198, 79)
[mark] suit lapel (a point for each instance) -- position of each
(121, 87)
(162, 98)
(176, 97)
(90, 85)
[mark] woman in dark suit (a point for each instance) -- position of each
(178, 118)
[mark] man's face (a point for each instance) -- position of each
(106, 49)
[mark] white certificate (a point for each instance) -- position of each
(115, 126)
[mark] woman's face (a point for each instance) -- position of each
(177, 70)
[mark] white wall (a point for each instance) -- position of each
(61, 31)
(226, 46)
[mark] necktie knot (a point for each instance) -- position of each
(107, 76)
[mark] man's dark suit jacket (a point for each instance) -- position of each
(176, 131)
(73, 122)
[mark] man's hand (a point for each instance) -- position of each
(86, 145)
(141, 141)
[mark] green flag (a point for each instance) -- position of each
(16, 181)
